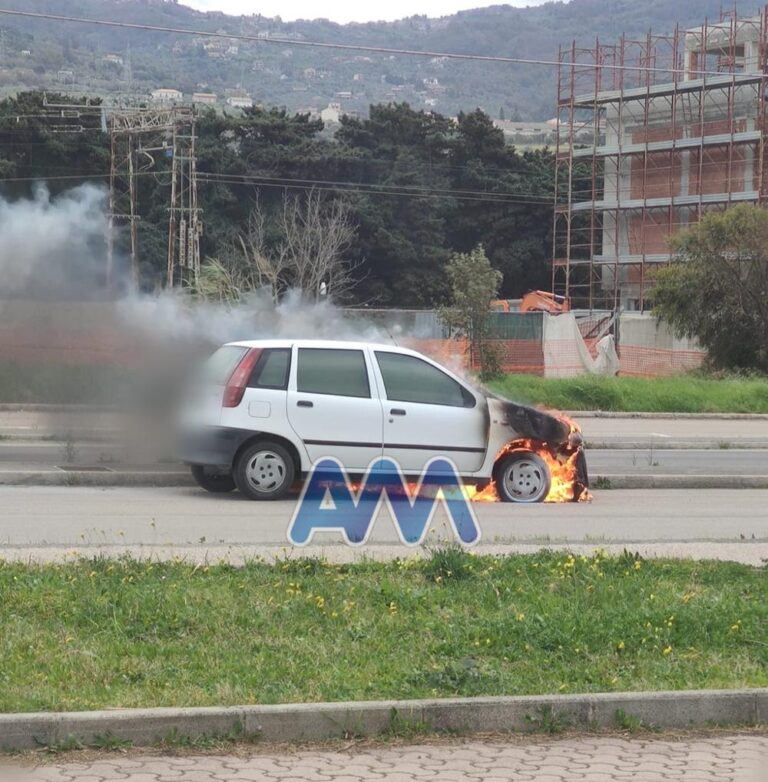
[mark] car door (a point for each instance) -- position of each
(263, 407)
(334, 405)
(428, 413)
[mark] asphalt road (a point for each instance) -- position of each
(48, 522)
(26, 455)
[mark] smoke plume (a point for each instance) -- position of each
(53, 247)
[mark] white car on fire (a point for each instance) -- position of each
(263, 412)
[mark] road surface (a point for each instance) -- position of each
(49, 522)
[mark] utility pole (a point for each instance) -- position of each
(137, 136)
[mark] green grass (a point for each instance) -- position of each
(101, 633)
(678, 394)
(65, 384)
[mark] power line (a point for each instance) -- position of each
(292, 184)
(341, 187)
(343, 46)
(418, 188)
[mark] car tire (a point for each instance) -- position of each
(522, 476)
(214, 482)
(264, 471)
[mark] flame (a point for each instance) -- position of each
(562, 463)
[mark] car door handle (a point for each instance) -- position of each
(304, 403)
(397, 411)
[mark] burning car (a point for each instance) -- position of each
(263, 412)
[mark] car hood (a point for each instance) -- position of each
(528, 422)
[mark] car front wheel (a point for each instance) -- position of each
(264, 471)
(212, 481)
(522, 476)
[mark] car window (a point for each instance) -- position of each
(332, 371)
(271, 370)
(220, 366)
(409, 379)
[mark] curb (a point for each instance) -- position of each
(54, 407)
(38, 407)
(658, 443)
(323, 721)
(679, 482)
(88, 478)
(667, 416)
(149, 479)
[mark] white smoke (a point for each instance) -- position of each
(53, 247)
(174, 315)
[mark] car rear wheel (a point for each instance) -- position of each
(264, 471)
(522, 476)
(212, 481)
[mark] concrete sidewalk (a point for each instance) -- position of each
(732, 758)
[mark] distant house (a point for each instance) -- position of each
(332, 113)
(115, 59)
(358, 77)
(65, 76)
(525, 129)
(240, 102)
(166, 95)
(343, 94)
(204, 98)
(310, 73)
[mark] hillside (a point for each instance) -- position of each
(97, 60)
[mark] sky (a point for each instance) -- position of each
(347, 10)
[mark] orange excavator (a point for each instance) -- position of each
(536, 301)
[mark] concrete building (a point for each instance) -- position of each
(678, 124)
(166, 95)
(204, 98)
(240, 102)
(331, 113)
(526, 129)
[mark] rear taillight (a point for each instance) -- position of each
(238, 381)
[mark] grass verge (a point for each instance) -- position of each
(100, 633)
(678, 394)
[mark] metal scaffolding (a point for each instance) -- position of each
(137, 137)
(652, 134)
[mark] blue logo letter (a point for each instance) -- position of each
(328, 502)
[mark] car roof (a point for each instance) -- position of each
(318, 343)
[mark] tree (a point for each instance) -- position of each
(474, 286)
(718, 290)
(316, 237)
(308, 255)
(516, 232)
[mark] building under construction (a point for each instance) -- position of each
(678, 128)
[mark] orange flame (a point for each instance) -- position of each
(562, 463)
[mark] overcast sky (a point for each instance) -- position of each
(346, 10)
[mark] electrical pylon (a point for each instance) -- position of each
(137, 137)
